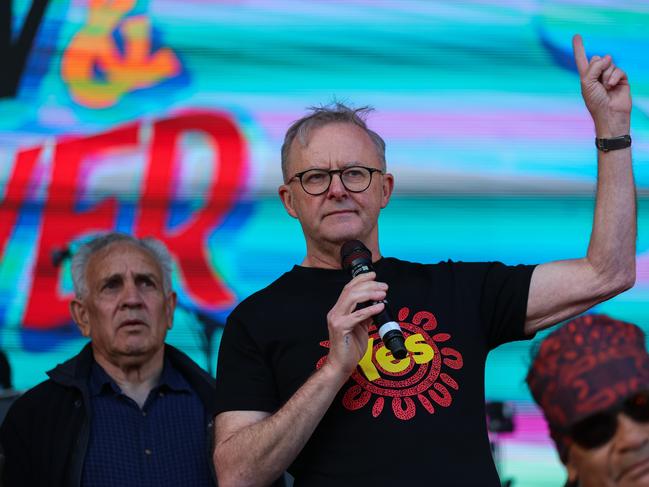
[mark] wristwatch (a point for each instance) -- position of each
(615, 143)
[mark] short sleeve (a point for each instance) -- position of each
(244, 380)
(503, 304)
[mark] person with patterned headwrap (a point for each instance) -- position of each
(591, 379)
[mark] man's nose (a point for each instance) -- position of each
(336, 187)
(131, 296)
(630, 434)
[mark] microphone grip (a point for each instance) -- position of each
(357, 259)
(389, 330)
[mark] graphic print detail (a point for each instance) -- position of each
(420, 380)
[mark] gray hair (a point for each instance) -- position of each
(324, 115)
(82, 256)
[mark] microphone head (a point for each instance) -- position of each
(354, 251)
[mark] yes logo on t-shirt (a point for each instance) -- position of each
(422, 377)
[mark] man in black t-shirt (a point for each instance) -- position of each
(305, 384)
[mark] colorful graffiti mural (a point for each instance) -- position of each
(72, 166)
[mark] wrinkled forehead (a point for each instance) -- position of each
(122, 258)
(335, 143)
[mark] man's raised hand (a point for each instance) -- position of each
(606, 91)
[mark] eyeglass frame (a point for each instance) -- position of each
(331, 173)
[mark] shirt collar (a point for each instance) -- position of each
(170, 379)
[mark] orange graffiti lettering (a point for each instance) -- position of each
(93, 51)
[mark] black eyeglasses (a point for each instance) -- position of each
(598, 429)
(355, 179)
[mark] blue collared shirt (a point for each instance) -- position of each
(163, 444)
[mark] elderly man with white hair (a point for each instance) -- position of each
(128, 409)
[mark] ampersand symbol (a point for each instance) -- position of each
(97, 72)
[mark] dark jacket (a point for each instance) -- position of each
(45, 433)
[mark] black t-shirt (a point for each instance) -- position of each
(415, 421)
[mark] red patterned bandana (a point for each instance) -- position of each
(588, 365)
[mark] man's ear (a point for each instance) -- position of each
(388, 185)
(286, 196)
(80, 316)
(170, 308)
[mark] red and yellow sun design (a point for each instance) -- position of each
(422, 377)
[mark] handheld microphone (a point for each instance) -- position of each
(357, 259)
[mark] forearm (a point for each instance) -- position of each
(611, 250)
(563, 289)
(257, 454)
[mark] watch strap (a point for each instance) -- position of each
(614, 143)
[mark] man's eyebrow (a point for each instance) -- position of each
(344, 165)
(352, 164)
(111, 277)
(137, 275)
(149, 275)
(315, 165)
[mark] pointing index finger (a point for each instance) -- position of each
(580, 54)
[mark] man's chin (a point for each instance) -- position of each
(135, 351)
(135, 348)
(339, 234)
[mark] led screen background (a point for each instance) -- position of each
(166, 117)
